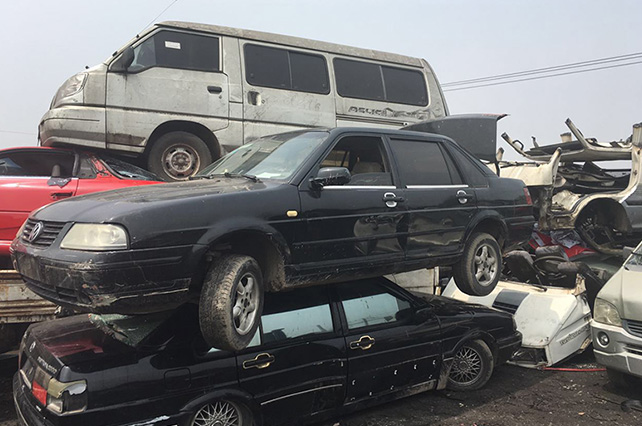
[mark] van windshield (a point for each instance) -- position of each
(272, 157)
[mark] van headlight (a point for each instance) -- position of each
(95, 237)
(606, 313)
(72, 86)
(66, 398)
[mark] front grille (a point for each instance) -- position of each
(634, 349)
(46, 237)
(54, 293)
(634, 327)
(506, 307)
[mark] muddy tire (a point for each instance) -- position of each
(224, 413)
(231, 302)
(176, 156)
(472, 367)
(478, 270)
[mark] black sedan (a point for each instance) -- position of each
(319, 352)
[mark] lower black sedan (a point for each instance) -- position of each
(320, 352)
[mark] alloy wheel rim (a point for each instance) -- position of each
(486, 267)
(245, 304)
(220, 413)
(467, 366)
(181, 161)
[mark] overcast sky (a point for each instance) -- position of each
(45, 42)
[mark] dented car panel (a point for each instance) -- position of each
(605, 206)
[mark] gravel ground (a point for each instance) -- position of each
(514, 396)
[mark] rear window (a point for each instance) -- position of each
(366, 80)
(285, 69)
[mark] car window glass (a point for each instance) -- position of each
(364, 157)
(288, 315)
(128, 171)
(366, 305)
(420, 162)
(285, 69)
(42, 163)
(405, 86)
(474, 176)
(455, 176)
(177, 50)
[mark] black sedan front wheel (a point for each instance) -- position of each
(231, 302)
(472, 367)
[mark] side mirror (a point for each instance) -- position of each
(124, 61)
(330, 176)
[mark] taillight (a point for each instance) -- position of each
(40, 393)
(529, 200)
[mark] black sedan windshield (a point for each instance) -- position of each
(273, 157)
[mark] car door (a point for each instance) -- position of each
(174, 75)
(27, 182)
(358, 223)
(389, 350)
(299, 368)
(440, 204)
(284, 89)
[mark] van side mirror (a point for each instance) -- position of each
(330, 176)
(124, 61)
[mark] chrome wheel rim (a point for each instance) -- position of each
(245, 305)
(467, 366)
(486, 264)
(220, 413)
(180, 161)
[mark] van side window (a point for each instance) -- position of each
(365, 80)
(423, 163)
(170, 49)
(364, 157)
(285, 69)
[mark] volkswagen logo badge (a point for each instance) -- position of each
(35, 232)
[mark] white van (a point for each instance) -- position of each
(182, 94)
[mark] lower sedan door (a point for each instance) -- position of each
(388, 349)
(299, 369)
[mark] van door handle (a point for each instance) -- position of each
(59, 195)
(254, 98)
(260, 361)
(214, 89)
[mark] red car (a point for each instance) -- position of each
(33, 177)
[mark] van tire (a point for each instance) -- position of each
(482, 256)
(233, 282)
(176, 156)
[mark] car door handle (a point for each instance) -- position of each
(261, 361)
(463, 196)
(59, 195)
(391, 199)
(364, 343)
(214, 89)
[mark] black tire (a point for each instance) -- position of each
(176, 156)
(622, 380)
(220, 299)
(473, 261)
(224, 413)
(472, 367)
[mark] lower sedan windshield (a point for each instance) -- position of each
(273, 157)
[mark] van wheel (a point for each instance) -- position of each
(177, 156)
(472, 367)
(231, 302)
(477, 272)
(223, 413)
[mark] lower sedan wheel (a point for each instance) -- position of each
(231, 302)
(472, 366)
(477, 272)
(220, 413)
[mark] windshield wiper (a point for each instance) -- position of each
(246, 176)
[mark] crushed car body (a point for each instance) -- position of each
(571, 191)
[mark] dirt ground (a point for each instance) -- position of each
(514, 396)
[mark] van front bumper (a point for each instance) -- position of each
(77, 125)
(623, 351)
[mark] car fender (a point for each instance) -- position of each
(490, 216)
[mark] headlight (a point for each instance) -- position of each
(70, 87)
(606, 313)
(95, 237)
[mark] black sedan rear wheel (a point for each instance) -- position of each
(231, 302)
(472, 367)
(221, 413)
(478, 270)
